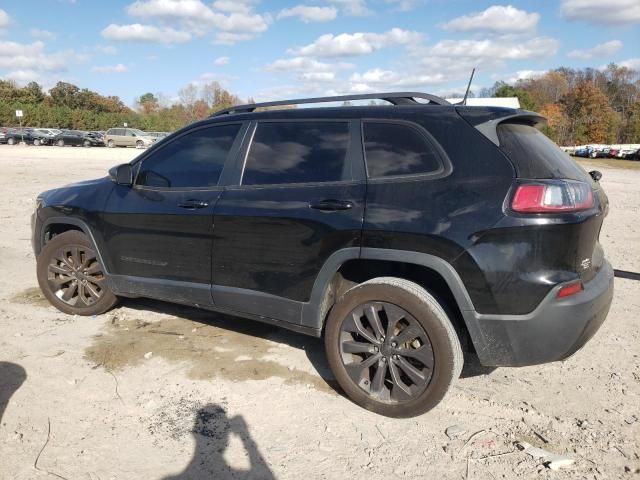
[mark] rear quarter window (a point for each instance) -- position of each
(534, 155)
(394, 149)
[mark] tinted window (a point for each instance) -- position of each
(534, 155)
(193, 160)
(394, 149)
(297, 153)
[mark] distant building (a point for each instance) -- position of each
(509, 102)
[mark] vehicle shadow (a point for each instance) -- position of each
(313, 347)
(12, 376)
(212, 430)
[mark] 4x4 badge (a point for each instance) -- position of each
(586, 263)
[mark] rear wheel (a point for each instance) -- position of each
(392, 347)
(71, 277)
(60, 143)
(110, 144)
(11, 141)
(36, 142)
(139, 144)
(86, 144)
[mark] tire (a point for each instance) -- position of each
(86, 144)
(60, 143)
(424, 324)
(139, 144)
(11, 141)
(110, 144)
(36, 142)
(593, 155)
(69, 261)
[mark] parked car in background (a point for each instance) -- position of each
(127, 137)
(76, 138)
(3, 134)
(158, 135)
(30, 136)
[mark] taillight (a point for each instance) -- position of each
(552, 196)
(571, 289)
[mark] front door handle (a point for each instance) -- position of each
(331, 205)
(193, 204)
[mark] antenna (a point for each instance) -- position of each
(466, 94)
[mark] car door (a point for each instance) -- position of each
(158, 232)
(298, 198)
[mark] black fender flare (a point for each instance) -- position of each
(313, 312)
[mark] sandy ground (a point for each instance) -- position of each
(155, 391)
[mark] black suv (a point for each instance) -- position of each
(402, 234)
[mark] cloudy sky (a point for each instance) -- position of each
(276, 49)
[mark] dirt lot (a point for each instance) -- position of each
(154, 391)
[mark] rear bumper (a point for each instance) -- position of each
(555, 330)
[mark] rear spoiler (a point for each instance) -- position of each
(487, 119)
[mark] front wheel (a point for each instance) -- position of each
(36, 142)
(11, 141)
(71, 276)
(110, 144)
(86, 144)
(60, 143)
(392, 348)
(139, 144)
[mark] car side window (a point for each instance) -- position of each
(300, 152)
(193, 160)
(393, 149)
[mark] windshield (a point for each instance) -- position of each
(138, 132)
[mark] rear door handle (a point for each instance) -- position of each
(193, 204)
(331, 205)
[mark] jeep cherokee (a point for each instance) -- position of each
(402, 234)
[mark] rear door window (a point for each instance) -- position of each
(535, 155)
(393, 149)
(300, 152)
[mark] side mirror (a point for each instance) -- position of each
(122, 174)
(596, 175)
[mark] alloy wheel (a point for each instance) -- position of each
(75, 276)
(386, 352)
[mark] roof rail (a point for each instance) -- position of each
(395, 98)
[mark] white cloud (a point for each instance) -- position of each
(221, 61)
(41, 34)
(234, 20)
(23, 56)
(600, 50)
(496, 49)
(27, 62)
(602, 12)
(632, 63)
(351, 44)
(119, 68)
(233, 6)
(106, 49)
(525, 75)
(318, 76)
(230, 38)
(4, 19)
(404, 5)
(495, 19)
(376, 78)
(310, 14)
(352, 7)
(144, 33)
(305, 64)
